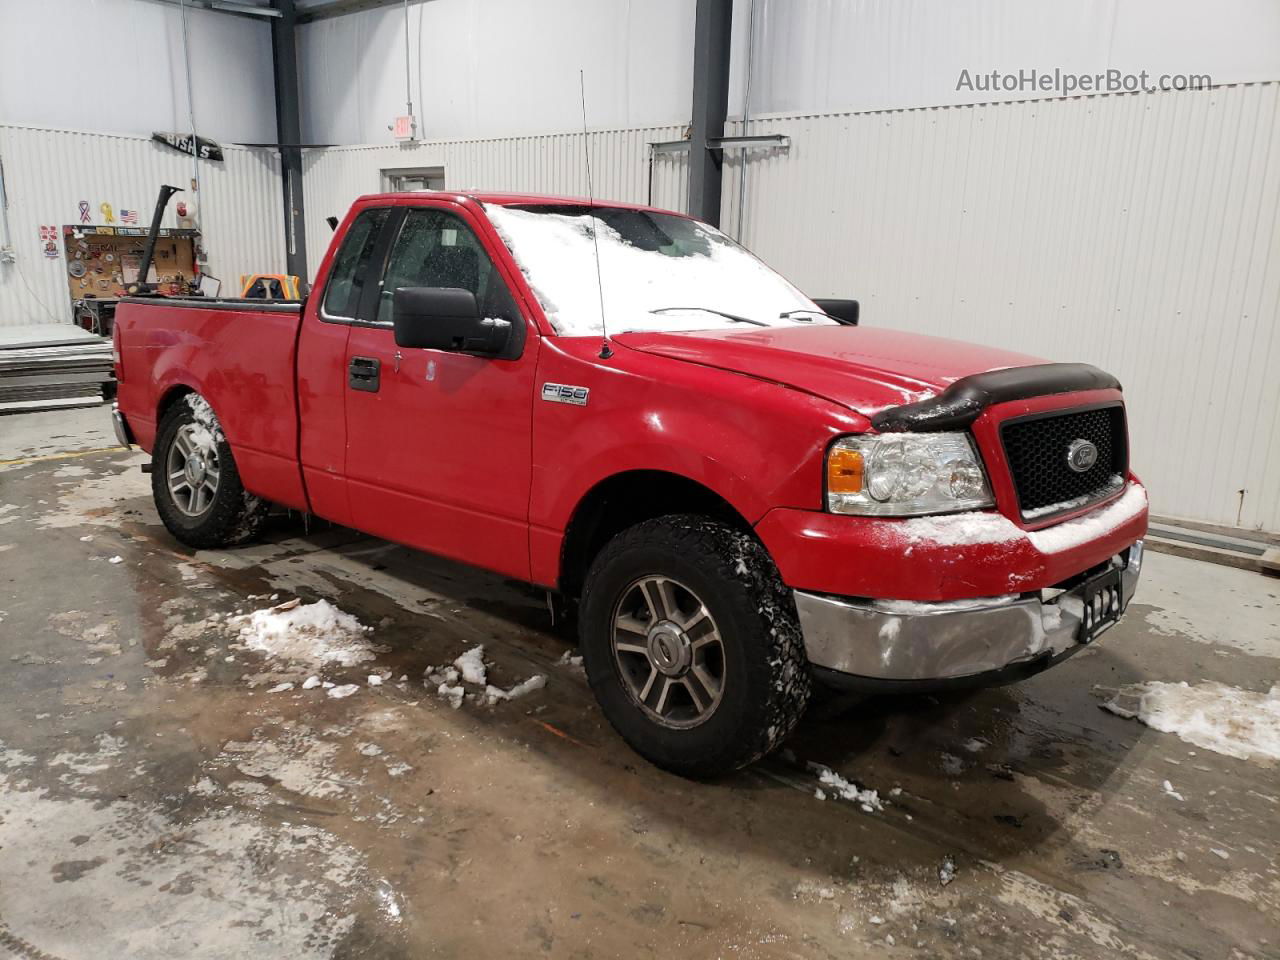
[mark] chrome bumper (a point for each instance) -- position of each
(121, 426)
(903, 641)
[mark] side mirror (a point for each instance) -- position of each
(445, 318)
(846, 311)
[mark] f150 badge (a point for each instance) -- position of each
(565, 393)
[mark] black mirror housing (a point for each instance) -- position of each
(846, 311)
(446, 318)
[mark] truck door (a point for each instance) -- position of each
(438, 443)
(322, 360)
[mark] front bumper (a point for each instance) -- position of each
(902, 643)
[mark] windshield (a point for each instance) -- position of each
(658, 272)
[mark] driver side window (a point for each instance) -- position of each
(437, 249)
(350, 266)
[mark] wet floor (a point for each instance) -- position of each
(161, 796)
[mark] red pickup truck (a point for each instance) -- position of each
(738, 488)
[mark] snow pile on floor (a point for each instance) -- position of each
(469, 668)
(868, 800)
(453, 694)
(445, 682)
(1225, 719)
(312, 633)
(493, 694)
(574, 661)
(946, 870)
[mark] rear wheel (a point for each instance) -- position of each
(692, 645)
(195, 483)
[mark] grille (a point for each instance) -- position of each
(1037, 448)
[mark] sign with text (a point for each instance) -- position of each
(403, 129)
(185, 143)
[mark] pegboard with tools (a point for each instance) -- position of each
(102, 261)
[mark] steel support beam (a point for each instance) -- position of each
(340, 8)
(231, 8)
(711, 44)
(284, 54)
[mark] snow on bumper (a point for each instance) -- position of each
(956, 557)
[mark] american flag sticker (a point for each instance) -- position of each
(128, 216)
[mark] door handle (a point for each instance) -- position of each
(363, 374)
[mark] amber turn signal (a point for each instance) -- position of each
(844, 471)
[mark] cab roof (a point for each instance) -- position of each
(523, 199)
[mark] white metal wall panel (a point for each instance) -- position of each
(822, 56)
(48, 172)
(671, 181)
(497, 68)
(120, 65)
(554, 163)
(1140, 233)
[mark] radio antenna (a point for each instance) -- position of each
(605, 350)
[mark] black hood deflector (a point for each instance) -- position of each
(963, 402)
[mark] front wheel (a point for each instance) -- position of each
(692, 645)
(195, 483)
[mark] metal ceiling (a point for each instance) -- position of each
(308, 10)
(311, 10)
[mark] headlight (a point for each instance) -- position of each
(905, 474)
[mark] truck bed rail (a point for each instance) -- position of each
(220, 303)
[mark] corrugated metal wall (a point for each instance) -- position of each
(1140, 233)
(48, 172)
(553, 163)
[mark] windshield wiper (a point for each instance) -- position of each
(719, 313)
(788, 314)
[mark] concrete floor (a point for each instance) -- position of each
(157, 801)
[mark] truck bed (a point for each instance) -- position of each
(171, 345)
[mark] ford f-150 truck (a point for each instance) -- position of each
(738, 488)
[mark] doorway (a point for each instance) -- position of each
(403, 180)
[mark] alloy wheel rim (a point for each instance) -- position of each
(193, 469)
(669, 652)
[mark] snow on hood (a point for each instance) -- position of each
(863, 368)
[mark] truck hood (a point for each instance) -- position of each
(863, 368)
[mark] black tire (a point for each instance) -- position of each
(233, 515)
(764, 687)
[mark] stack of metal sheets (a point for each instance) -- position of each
(52, 365)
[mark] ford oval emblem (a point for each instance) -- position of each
(1081, 455)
